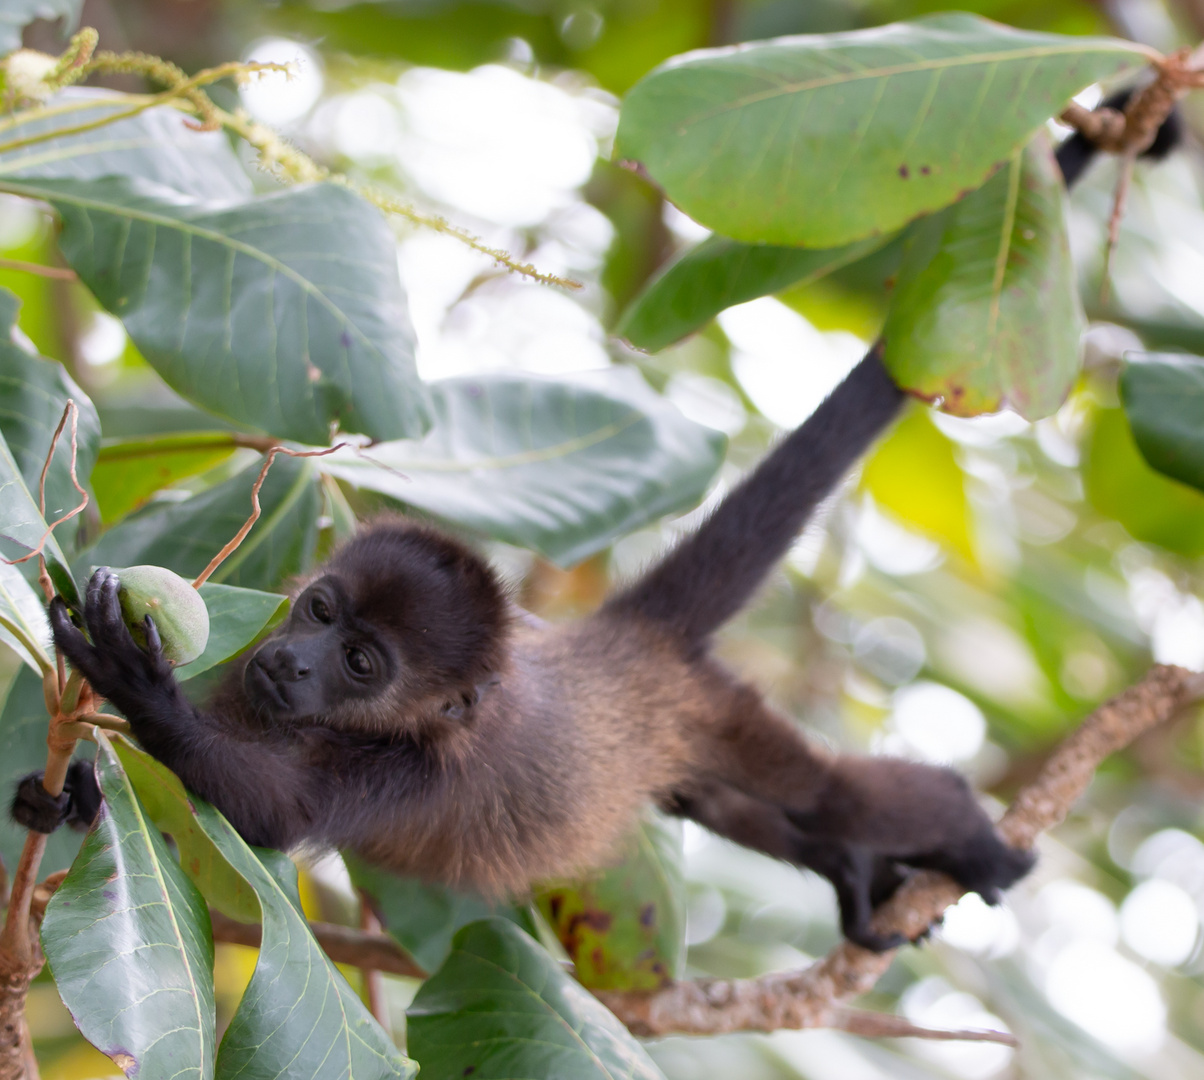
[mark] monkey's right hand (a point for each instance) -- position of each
(134, 679)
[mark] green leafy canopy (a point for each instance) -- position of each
(824, 140)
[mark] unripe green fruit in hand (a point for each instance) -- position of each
(179, 612)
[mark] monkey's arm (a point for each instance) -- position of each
(919, 815)
(861, 879)
(259, 779)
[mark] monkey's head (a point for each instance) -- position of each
(400, 622)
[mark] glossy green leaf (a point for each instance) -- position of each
(501, 1008)
(624, 928)
(155, 145)
(284, 313)
(185, 536)
(129, 943)
(1163, 397)
(237, 617)
(986, 310)
(34, 392)
(15, 15)
(823, 140)
(23, 727)
(719, 273)
(423, 917)
(298, 1018)
(564, 467)
(128, 473)
(171, 808)
(1121, 485)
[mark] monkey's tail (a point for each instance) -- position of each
(711, 574)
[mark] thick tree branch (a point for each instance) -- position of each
(814, 997)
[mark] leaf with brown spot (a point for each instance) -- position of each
(986, 311)
(625, 927)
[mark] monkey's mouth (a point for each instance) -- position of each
(263, 686)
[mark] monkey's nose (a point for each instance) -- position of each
(286, 665)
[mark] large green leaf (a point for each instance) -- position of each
(563, 467)
(1163, 397)
(721, 272)
(15, 15)
(284, 313)
(23, 728)
(423, 917)
(298, 1018)
(237, 617)
(826, 139)
(129, 943)
(986, 311)
(156, 145)
(34, 392)
(184, 536)
(171, 808)
(501, 1008)
(128, 473)
(624, 928)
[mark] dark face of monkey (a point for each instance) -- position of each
(401, 615)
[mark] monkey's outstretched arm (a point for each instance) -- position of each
(260, 785)
(861, 879)
(920, 815)
(711, 574)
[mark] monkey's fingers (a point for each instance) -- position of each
(103, 611)
(69, 639)
(154, 644)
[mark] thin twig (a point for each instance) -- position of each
(61, 273)
(256, 510)
(374, 986)
(1124, 180)
(72, 411)
(876, 1025)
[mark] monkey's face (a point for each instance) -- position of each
(321, 660)
(404, 622)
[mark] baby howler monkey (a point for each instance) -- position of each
(406, 711)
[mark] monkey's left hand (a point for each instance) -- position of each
(135, 680)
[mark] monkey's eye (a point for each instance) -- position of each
(319, 610)
(358, 661)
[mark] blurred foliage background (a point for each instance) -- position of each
(965, 598)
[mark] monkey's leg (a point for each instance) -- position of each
(860, 879)
(917, 814)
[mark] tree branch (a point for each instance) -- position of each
(343, 944)
(814, 997)
(1132, 131)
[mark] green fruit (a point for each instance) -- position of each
(179, 612)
